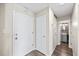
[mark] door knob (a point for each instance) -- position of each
(16, 34)
(16, 38)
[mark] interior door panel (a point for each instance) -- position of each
(22, 34)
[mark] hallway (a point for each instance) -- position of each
(38, 29)
(60, 50)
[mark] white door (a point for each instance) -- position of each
(22, 34)
(41, 33)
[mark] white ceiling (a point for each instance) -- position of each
(35, 7)
(58, 9)
(62, 10)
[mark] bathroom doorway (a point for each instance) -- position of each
(64, 33)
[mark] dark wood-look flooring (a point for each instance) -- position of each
(60, 50)
(35, 53)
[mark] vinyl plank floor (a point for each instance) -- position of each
(35, 53)
(62, 50)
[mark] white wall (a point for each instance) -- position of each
(75, 30)
(1, 27)
(52, 32)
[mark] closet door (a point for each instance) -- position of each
(22, 34)
(41, 33)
